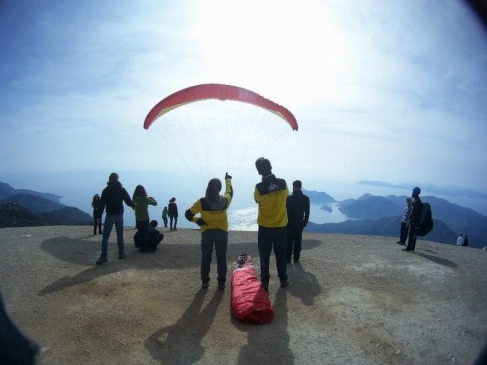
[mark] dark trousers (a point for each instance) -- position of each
(96, 224)
(268, 239)
(219, 238)
(412, 238)
(171, 219)
(165, 221)
(294, 239)
(143, 233)
(404, 232)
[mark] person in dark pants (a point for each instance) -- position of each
(414, 219)
(213, 223)
(112, 198)
(403, 235)
(297, 215)
(271, 195)
(95, 203)
(173, 214)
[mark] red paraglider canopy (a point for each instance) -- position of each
(221, 92)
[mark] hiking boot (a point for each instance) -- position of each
(205, 285)
(101, 260)
(284, 283)
(122, 256)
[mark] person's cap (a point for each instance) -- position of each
(416, 191)
(297, 184)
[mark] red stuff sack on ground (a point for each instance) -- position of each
(250, 301)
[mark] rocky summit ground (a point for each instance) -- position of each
(351, 300)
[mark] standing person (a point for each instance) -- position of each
(271, 195)
(460, 240)
(112, 198)
(297, 206)
(213, 222)
(95, 203)
(403, 235)
(465, 241)
(142, 202)
(414, 219)
(173, 214)
(164, 216)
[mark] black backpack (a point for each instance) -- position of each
(425, 224)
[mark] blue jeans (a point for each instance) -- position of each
(269, 238)
(219, 238)
(110, 220)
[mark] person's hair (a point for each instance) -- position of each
(139, 191)
(96, 197)
(173, 199)
(113, 177)
(213, 189)
(153, 223)
(263, 166)
(297, 184)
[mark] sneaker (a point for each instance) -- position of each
(407, 249)
(101, 260)
(284, 283)
(205, 285)
(221, 286)
(122, 256)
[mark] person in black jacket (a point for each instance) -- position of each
(414, 219)
(112, 199)
(173, 214)
(95, 203)
(297, 218)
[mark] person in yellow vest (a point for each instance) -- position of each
(210, 214)
(271, 195)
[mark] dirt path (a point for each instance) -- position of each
(352, 300)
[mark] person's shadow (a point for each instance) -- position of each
(181, 342)
(268, 343)
(304, 284)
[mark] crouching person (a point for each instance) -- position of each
(155, 237)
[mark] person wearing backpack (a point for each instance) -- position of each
(414, 219)
(405, 222)
(297, 218)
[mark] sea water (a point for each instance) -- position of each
(77, 190)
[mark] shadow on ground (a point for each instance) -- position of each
(169, 256)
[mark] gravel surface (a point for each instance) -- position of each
(351, 300)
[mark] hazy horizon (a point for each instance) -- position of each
(77, 190)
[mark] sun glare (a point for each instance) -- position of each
(288, 50)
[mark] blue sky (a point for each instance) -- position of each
(382, 90)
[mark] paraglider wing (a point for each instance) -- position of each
(221, 92)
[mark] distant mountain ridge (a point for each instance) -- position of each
(452, 191)
(21, 208)
(7, 191)
(382, 216)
